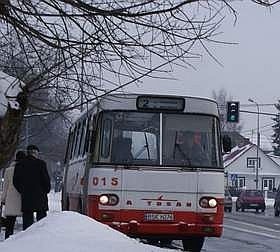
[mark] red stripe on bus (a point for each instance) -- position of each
(132, 222)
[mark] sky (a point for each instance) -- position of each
(250, 68)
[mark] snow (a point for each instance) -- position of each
(69, 231)
(9, 89)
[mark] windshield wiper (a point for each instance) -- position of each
(147, 146)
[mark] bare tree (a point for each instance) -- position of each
(82, 49)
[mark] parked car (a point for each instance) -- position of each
(250, 199)
(277, 203)
(227, 201)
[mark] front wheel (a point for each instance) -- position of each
(193, 244)
(165, 243)
(276, 212)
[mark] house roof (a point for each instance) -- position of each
(238, 151)
(236, 138)
(275, 158)
(235, 153)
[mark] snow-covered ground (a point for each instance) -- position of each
(69, 231)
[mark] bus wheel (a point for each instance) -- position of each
(80, 207)
(165, 243)
(152, 242)
(65, 204)
(193, 244)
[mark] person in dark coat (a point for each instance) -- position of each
(32, 181)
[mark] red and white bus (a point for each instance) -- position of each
(129, 165)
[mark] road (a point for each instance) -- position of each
(247, 231)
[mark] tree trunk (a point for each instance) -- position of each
(10, 126)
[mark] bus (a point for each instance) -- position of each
(129, 164)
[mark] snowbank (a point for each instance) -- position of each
(73, 232)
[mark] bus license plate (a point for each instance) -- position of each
(159, 217)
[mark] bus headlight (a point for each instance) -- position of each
(212, 202)
(109, 199)
(208, 202)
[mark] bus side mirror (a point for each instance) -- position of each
(226, 143)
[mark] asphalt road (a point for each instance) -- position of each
(247, 231)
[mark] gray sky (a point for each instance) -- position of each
(250, 68)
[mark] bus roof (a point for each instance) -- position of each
(123, 101)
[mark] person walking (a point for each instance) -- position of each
(32, 181)
(10, 196)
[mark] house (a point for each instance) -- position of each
(240, 168)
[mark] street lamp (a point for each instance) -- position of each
(258, 142)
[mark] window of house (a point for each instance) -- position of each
(268, 183)
(239, 182)
(252, 162)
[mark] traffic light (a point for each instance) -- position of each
(233, 111)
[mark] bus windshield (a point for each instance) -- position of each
(191, 140)
(140, 138)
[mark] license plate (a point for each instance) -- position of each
(159, 217)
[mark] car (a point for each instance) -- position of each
(277, 203)
(227, 201)
(251, 199)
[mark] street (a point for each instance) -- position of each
(247, 231)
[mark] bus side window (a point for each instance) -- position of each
(78, 135)
(69, 146)
(82, 137)
(106, 138)
(85, 145)
(73, 142)
(90, 129)
(92, 134)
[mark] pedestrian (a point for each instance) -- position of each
(32, 181)
(10, 196)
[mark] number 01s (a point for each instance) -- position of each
(103, 181)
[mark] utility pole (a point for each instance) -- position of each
(258, 142)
